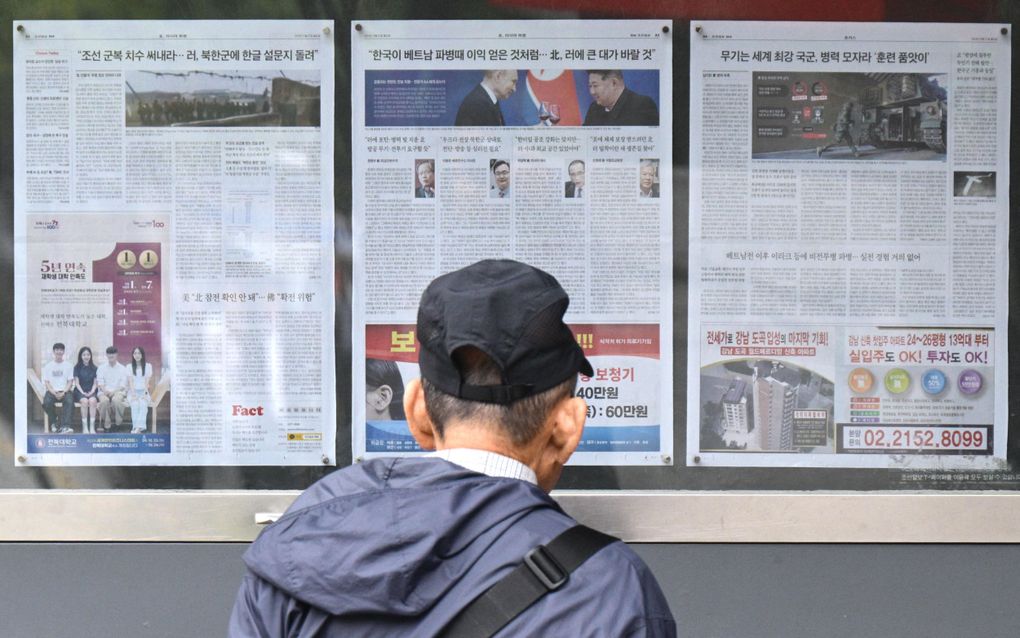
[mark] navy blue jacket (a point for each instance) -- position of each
(396, 547)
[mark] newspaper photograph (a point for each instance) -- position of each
(504, 142)
(173, 213)
(848, 245)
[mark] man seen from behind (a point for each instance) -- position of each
(398, 546)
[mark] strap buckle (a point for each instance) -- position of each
(545, 568)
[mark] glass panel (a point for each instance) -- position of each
(674, 476)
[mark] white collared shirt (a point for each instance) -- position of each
(488, 463)
(112, 378)
(492, 96)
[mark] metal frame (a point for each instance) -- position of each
(656, 517)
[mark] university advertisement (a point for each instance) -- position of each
(173, 227)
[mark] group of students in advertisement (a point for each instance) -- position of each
(101, 391)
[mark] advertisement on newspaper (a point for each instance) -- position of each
(848, 245)
(544, 142)
(173, 215)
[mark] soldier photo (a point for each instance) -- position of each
(844, 130)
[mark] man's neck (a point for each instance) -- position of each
(481, 437)
(490, 92)
(488, 462)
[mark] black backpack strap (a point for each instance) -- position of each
(545, 569)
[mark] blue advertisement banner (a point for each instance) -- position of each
(99, 443)
(393, 436)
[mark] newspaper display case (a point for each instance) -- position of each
(697, 491)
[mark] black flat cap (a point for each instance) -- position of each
(512, 312)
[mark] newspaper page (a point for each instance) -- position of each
(173, 216)
(548, 142)
(849, 257)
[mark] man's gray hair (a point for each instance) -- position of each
(650, 162)
(519, 421)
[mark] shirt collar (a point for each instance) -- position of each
(492, 96)
(488, 463)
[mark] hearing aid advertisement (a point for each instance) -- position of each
(622, 413)
(545, 142)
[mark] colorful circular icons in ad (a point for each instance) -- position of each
(897, 381)
(861, 380)
(970, 382)
(933, 382)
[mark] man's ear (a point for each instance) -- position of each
(568, 426)
(417, 416)
(561, 436)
